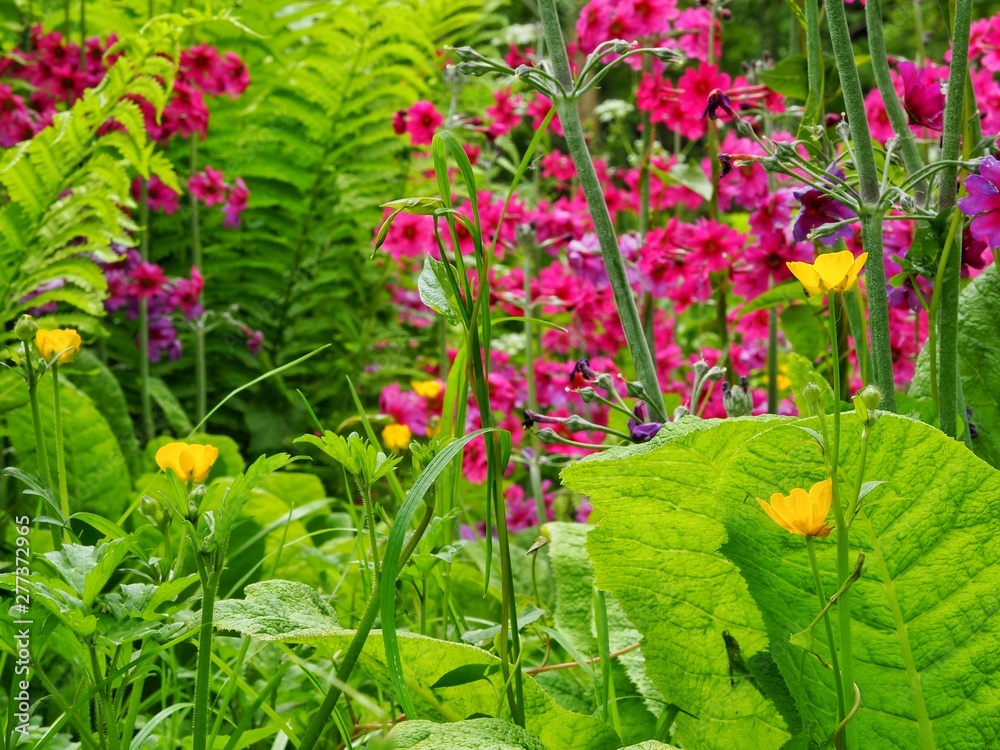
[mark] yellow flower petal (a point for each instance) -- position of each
(396, 437)
(187, 460)
(807, 276)
(852, 274)
(65, 342)
(428, 389)
(800, 512)
(833, 268)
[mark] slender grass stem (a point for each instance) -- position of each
(146, 402)
(60, 448)
(843, 523)
(202, 687)
(831, 641)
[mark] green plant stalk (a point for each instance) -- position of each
(36, 417)
(814, 64)
(609, 706)
(322, 715)
(933, 317)
(210, 586)
(567, 107)
(534, 474)
(897, 117)
(366, 494)
(83, 34)
(201, 402)
(834, 658)
(146, 401)
(60, 451)
(869, 188)
(843, 523)
(947, 194)
(109, 722)
(772, 361)
(859, 332)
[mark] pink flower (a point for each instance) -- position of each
(983, 202)
(422, 119)
(159, 196)
(713, 244)
(235, 76)
(763, 264)
(186, 113)
(558, 166)
(406, 407)
(236, 203)
(254, 339)
(538, 108)
(147, 279)
(505, 113)
(410, 236)
(200, 66)
(208, 186)
(744, 186)
(922, 96)
(185, 295)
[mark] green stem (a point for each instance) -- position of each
(366, 493)
(201, 403)
(772, 361)
(834, 658)
(843, 524)
(856, 322)
(947, 195)
(933, 317)
(813, 113)
(83, 35)
(60, 452)
(202, 687)
(109, 721)
(609, 707)
(868, 185)
(146, 400)
(534, 473)
(897, 117)
(569, 114)
(36, 417)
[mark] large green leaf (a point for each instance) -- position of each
(96, 469)
(293, 613)
(657, 549)
(935, 525)
(979, 362)
(692, 557)
(93, 377)
(475, 734)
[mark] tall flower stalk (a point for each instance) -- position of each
(870, 212)
(566, 104)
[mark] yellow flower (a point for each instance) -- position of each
(187, 460)
(832, 272)
(428, 389)
(802, 512)
(396, 437)
(50, 343)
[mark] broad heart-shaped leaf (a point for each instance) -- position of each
(474, 734)
(657, 549)
(293, 613)
(979, 362)
(935, 522)
(97, 471)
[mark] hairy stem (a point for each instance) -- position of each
(897, 117)
(947, 194)
(60, 448)
(831, 642)
(868, 184)
(204, 674)
(569, 114)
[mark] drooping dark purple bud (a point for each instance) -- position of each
(727, 164)
(639, 429)
(719, 99)
(581, 373)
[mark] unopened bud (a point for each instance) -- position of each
(716, 373)
(737, 400)
(680, 412)
(26, 328)
(474, 69)
(872, 396)
(620, 46)
(548, 437)
(812, 393)
(588, 395)
(151, 509)
(634, 389)
(606, 382)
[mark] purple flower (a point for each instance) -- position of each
(983, 202)
(639, 429)
(818, 209)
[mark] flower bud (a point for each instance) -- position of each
(680, 412)
(605, 382)
(620, 46)
(25, 328)
(150, 507)
(872, 396)
(588, 395)
(548, 437)
(738, 400)
(634, 389)
(716, 373)
(576, 423)
(812, 393)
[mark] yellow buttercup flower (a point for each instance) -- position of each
(802, 512)
(396, 437)
(51, 343)
(187, 460)
(832, 272)
(428, 389)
